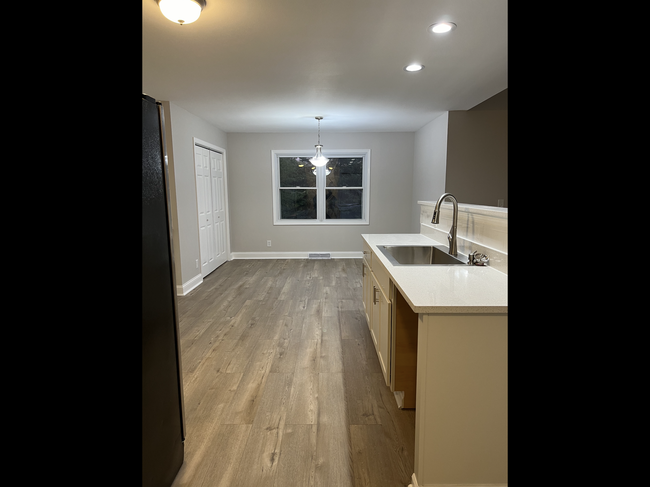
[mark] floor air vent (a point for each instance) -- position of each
(319, 256)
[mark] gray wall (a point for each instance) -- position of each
(464, 153)
(429, 166)
(250, 191)
(180, 127)
(477, 152)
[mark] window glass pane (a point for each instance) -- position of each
(292, 175)
(345, 171)
(299, 204)
(343, 203)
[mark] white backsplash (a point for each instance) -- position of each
(482, 228)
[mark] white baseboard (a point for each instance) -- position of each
(293, 255)
(414, 483)
(182, 290)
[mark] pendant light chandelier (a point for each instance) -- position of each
(181, 11)
(319, 159)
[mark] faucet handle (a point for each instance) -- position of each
(477, 258)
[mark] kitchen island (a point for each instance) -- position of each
(441, 336)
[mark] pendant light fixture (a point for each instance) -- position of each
(181, 11)
(319, 159)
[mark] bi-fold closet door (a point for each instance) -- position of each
(210, 194)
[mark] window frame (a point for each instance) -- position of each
(321, 218)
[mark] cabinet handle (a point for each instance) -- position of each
(374, 295)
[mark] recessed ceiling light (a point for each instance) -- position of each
(414, 67)
(442, 27)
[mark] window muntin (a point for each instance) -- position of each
(335, 194)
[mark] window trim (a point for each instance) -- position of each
(320, 186)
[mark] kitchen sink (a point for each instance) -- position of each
(418, 255)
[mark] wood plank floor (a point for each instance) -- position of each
(282, 383)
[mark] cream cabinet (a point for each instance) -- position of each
(461, 419)
(381, 321)
(377, 306)
(367, 292)
(446, 358)
(393, 328)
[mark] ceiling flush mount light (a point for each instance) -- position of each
(181, 11)
(414, 67)
(319, 159)
(442, 27)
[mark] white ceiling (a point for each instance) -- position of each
(273, 65)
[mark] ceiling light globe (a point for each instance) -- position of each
(181, 11)
(319, 159)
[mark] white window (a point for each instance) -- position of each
(337, 193)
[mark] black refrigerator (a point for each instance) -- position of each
(163, 421)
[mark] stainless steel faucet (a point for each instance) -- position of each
(453, 249)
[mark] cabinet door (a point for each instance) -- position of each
(381, 321)
(373, 314)
(367, 292)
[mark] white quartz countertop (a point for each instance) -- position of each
(443, 288)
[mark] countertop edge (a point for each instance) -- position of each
(450, 309)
